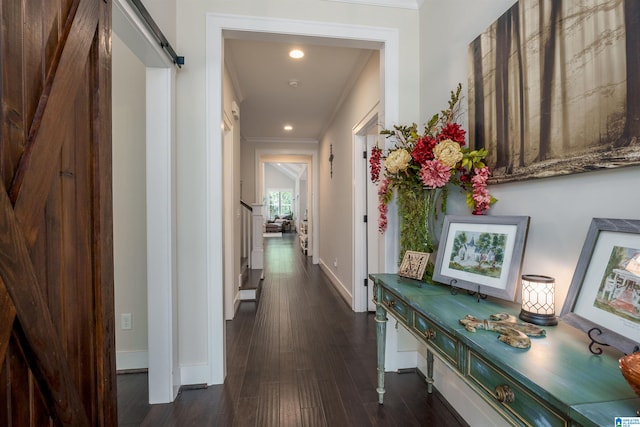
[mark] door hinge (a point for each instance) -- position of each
(366, 283)
(365, 218)
(364, 154)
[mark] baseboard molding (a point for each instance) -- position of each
(132, 360)
(342, 290)
(464, 401)
(194, 374)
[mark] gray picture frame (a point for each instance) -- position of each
(451, 265)
(587, 287)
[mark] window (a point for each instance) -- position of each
(279, 203)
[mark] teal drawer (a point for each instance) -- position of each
(507, 397)
(396, 306)
(443, 343)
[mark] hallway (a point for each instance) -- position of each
(302, 358)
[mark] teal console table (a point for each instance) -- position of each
(557, 382)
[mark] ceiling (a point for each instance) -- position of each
(274, 90)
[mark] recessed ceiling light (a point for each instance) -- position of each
(288, 128)
(296, 53)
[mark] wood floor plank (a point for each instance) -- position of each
(290, 408)
(268, 414)
(300, 357)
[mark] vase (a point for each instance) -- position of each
(420, 211)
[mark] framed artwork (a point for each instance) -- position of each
(604, 295)
(546, 96)
(482, 253)
(413, 264)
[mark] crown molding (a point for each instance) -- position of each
(268, 140)
(402, 4)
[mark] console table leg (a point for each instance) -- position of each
(381, 335)
(429, 378)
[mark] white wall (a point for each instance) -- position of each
(163, 13)
(250, 167)
(560, 208)
(192, 137)
(129, 205)
(336, 193)
(275, 179)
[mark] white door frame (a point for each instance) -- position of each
(164, 373)
(310, 157)
(385, 39)
(363, 249)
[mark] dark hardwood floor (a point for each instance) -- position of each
(300, 357)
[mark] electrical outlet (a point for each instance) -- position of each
(126, 322)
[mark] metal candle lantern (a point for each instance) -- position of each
(538, 300)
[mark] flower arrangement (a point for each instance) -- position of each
(431, 159)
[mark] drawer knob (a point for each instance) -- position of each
(504, 394)
(392, 303)
(430, 334)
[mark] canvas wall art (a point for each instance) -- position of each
(554, 88)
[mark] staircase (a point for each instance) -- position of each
(252, 285)
(251, 252)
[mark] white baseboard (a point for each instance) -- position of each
(342, 290)
(195, 374)
(126, 360)
(248, 294)
(469, 405)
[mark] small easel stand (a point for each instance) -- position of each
(454, 290)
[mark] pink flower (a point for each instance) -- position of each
(382, 218)
(435, 174)
(481, 197)
(383, 188)
(374, 161)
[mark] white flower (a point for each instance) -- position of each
(448, 152)
(397, 160)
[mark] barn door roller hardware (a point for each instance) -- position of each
(157, 32)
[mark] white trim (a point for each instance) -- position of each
(359, 302)
(229, 208)
(213, 202)
(310, 157)
(269, 140)
(385, 39)
(161, 259)
(129, 27)
(335, 281)
(398, 4)
(127, 360)
(164, 377)
(193, 374)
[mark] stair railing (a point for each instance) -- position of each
(251, 244)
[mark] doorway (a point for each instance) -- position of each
(219, 27)
(159, 257)
(368, 252)
(304, 197)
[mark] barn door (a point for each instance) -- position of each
(56, 270)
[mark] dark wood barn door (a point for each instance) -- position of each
(57, 349)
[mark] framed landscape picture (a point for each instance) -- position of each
(482, 253)
(604, 295)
